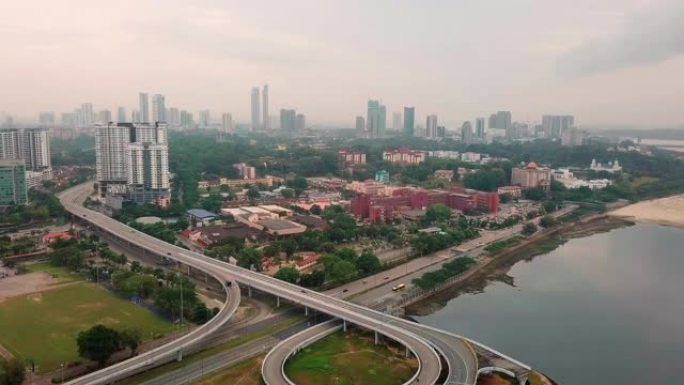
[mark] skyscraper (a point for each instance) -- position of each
(480, 128)
(376, 119)
(467, 133)
(265, 120)
(227, 122)
(431, 126)
(300, 122)
(396, 121)
(500, 119)
(121, 115)
(204, 119)
(46, 119)
(174, 117)
(158, 108)
(104, 116)
(288, 120)
(554, 125)
(409, 121)
(256, 111)
(144, 108)
(360, 124)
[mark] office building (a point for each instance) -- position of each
(144, 108)
(121, 115)
(227, 122)
(531, 176)
(554, 125)
(360, 124)
(501, 119)
(46, 119)
(396, 121)
(256, 110)
(265, 119)
(431, 126)
(10, 144)
(467, 133)
(376, 119)
(288, 120)
(158, 108)
(409, 121)
(480, 128)
(300, 122)
(13, 183)
(204, 119)
(36, 149)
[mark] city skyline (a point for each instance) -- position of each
(582, 58)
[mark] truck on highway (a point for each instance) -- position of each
(400, 286)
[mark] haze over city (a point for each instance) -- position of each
(610, 63)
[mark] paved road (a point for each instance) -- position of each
(430, 365)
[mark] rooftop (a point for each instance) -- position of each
(201, 213)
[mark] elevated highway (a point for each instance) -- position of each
(429, 361)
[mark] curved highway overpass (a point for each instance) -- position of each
(392, 327)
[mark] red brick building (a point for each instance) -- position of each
(382, 208)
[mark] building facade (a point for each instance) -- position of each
(144, 108)
(404, 156)
(13, 183)
(256, 109)
(265, 118)
(409, 121)
(531, 176)
(376, 119)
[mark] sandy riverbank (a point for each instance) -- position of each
(664, 211)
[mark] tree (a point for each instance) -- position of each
(342, 271)
(253, 193)
(249, 258)
(485, 180)
(287, 193)
(346, 254)
(547, 221)
(12, 372)
(300, 183)
(287, 274)
(98, 343)
(315, 210)
(368, 263)
(505, 198)
(529, 228)
(438, 213)
(200, 313)
(314, 279)
(535, 194)
(131, 338)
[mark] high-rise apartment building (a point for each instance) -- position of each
(144, 108)
(13, 183)
(376, 119)
(121, 115)
(10, 144)
(396, 121)
(554, 125)
(36, 149)
(300, 122)
(431, 126)
(288, 120)
(480, 128)
(265, 119)
(132, 160)
(360, 124)
(186, 119)
(204, 119)
(256, 109)
(158, 108)
(174, 118)
(227, 122)
(409, 121)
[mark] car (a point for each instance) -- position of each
(303, 291)
(386, 278)
(364, 282)
(345, 290)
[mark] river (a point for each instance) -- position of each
(604, 309)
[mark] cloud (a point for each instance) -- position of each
(647, 38)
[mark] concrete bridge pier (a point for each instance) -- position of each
(407, 354)
(344, 325)
(179, 355)
(377, 338)
(249, 291)
(277, 301)
(306, 311)
(522, 378)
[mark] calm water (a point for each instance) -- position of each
(606, 309)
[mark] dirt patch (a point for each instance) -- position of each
(26, 284)
(494, 379)
(665, 211)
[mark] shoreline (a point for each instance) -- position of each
(666, 211)
(495, 269)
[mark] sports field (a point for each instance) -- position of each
(43, 326)
(347, 359)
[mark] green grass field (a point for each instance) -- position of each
(43, 326)
(348, 359)
(60, 273)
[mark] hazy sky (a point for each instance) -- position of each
(605, 61)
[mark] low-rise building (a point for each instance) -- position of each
(513, 191)
(348, 158)
(200, 217)
(382, 176)
(404, 156)
(611, 167)
(531, 176)
(447, 175)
